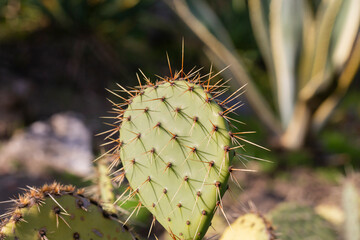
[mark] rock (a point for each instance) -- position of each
(62, 143)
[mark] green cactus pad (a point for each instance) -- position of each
(176, 149)
(251, 226)
(292, 221)
(103, 188)
(57, 212)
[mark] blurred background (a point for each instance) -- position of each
(299, 59)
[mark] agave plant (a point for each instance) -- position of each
(311, 54)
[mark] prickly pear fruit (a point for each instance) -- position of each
(292, 221)
(60, 212)
(251, 226)
(176, 149)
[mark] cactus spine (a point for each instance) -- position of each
(60, 212)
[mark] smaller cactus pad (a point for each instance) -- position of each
(105, 191)
(103, 188)
(58, 212)
(292, 222)
(251, 226)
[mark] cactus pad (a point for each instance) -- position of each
(176, 149)
(103, 188)
(59, 212)
(294, 222)
(251, 226)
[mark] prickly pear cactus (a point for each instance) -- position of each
(176, 149)
(251, 226)
(292, 222)
(59, 212)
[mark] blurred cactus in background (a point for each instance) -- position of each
(351, 208)
(311, 51)
(294, 221)
(60, 212)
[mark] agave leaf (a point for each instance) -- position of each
(260, 28)
(202, 11)
(260, 25)
(308, 45)
(345, 30)
(320, 77)
(285, 35)
(327, 107)
(229, 58)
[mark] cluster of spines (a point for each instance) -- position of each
(36, 196)
(213, 92)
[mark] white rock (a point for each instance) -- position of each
(62, 143)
